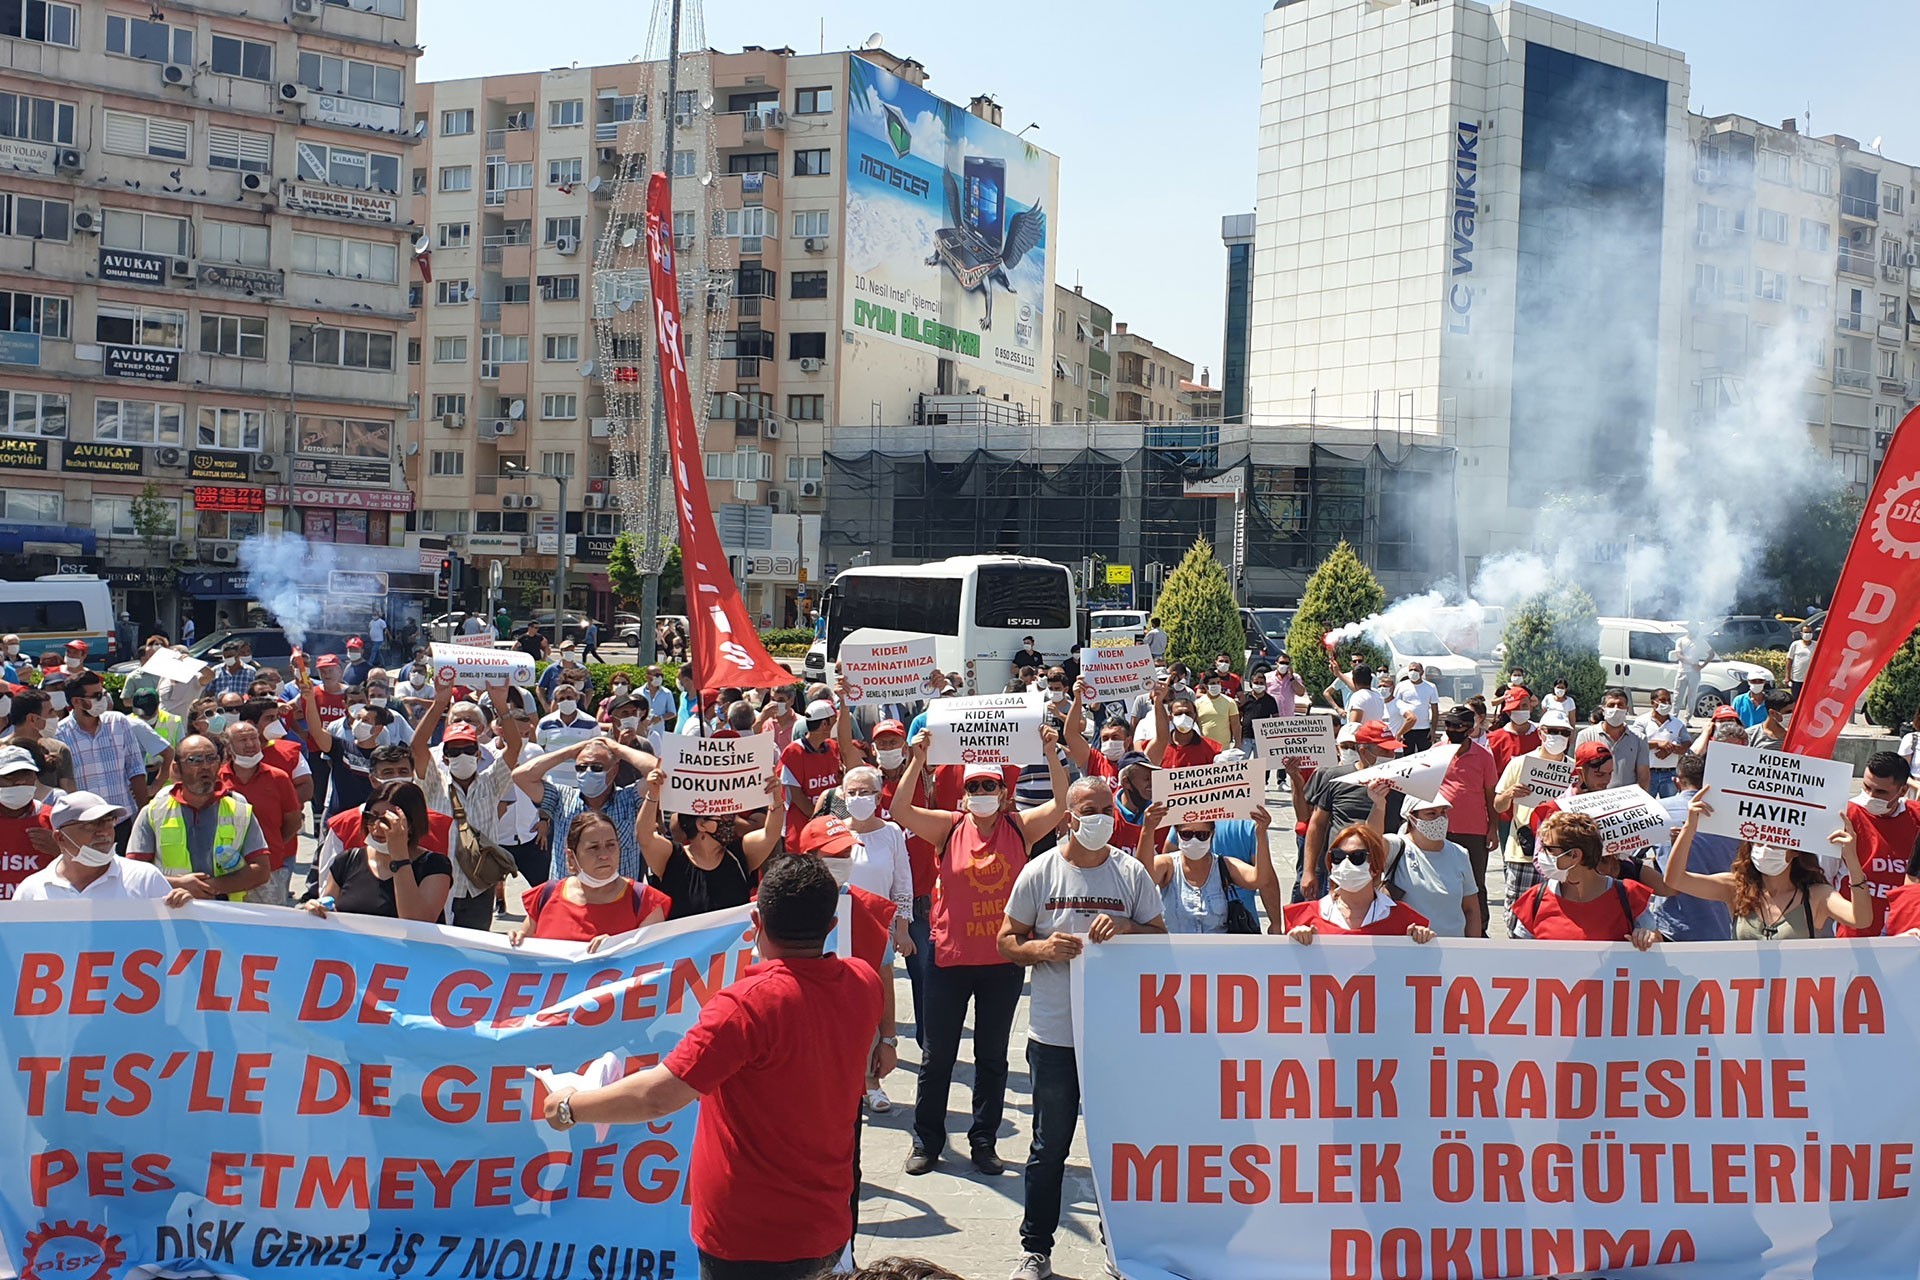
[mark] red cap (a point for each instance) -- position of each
(1593, 753)
(1516, 699)
(890, 726)
(1725, 712)
(76, 646)
(328, 660)
(826, 837)
(356, 643)
(460, 731)
(1374, 733)
(983, 771)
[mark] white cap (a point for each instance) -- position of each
(16, 760)
(1555, 720)
(1414, 804)
(820, 710)
(84, 806)
(1349, 732)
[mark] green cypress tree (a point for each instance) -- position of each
(1895, 692)
(1555, 635)
(1197, 610)
(1341, 591)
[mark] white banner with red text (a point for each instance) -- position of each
(1364, 1109)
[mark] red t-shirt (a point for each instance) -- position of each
(1471, 777)
(1199, 751)
(872, 924)
(1098, 766)
(1229, 682)
(283, 754)
(780, 1061)
(1394, 924)
(332, 707)
(551, 914)
(1903, 910)
(921, 856)
(1506, 746)
(347, 826)
(815, 773)
(1884, 846)
(18, 858)
(1550, 917)
(270, 792)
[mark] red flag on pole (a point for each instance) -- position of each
(722, 643)
(1876, 605)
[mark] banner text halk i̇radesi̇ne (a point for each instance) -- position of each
(1367, 1109)
(724, 647)
(261, 1093)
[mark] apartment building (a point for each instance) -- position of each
(203, 287)
(1147, 379)
(1804, 258)
(807, 191)
(1082, 357)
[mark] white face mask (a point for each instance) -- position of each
(1614, 716)
(376, 845)
(890, 757)
(18, 797)
(1880, 808)
(841, 869)
(622, 687)
(1213, 688)
(1520, 719)
(597, 882)
(653, 682)
(363, 730)
(1351, 876)
(1184, 724)
(1348, 755)
(92, 855)
(1767, 860)
(1549, 869)
(378, 700)
(1429, 828)
(630, 724)
(860, 808)
(1223, 667)
(1554, 742)
(355, 708)
(1196, 849)
(463, 767)
(1095, 830)
(274, 732)
(104, 704)
(1559, 691)
(248, 762)
(1113, 750)
(984, 805)
(13, 651)
(566, 706)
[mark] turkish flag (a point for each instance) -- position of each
(1876, 605)
(722, 643)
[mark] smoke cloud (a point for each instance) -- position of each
(283, 573)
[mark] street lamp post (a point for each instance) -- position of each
(514, 469)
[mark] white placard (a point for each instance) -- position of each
(1543, 779)
(472, 665)
(1284, 740)
(1218, 792)
(1416, 775)
(1771, 797)
(1629, 819)
(1116, 673)
(715, 776)
(169, 664)
(998, 728)
(887, 666)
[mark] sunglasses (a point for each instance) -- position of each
(467, 750)
(981, 787)
(1196, 835)
(1356, 856)
(1558, 851)
(199, 760)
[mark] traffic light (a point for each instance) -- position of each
(444, 582)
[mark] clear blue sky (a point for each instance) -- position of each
(1154, 119)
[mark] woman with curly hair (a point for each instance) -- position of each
(1774, 894)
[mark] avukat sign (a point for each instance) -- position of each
(1876, 605)
(722, 643)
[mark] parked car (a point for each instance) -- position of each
(1637, 654)
(628, 630)
(1133, 620)
(1472, 632)
(1456, 678)
(1274, 623)
(1265, 644)
(1744, 631)
(445, 627)
(48, 612)
(271, 648)
(573, 624)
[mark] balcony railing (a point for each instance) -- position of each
(1865, 208)
(1856, 264)
(1851, 322)
(1852, 379)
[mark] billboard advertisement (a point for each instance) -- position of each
(948, 235)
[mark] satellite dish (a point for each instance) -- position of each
(593, 186)
(1877, 141)
(706, 100)
(517, 410)
(422, 246)
(587, 370)
(874, 41)
(419, 128)
(706, 179)
(626, 304)
(628, 237)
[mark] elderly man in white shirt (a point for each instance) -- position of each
(88, 870)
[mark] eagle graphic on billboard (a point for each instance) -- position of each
(981, 241)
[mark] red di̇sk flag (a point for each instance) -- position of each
(722, 643)
(1876, 605)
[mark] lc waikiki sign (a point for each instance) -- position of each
(1463, 220)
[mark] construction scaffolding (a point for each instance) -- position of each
(1118, 490)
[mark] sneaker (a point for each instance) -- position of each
(1033, 1266)
(987, 1161)
(877, 1100)
(920, 1161)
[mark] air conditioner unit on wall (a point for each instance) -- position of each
(511, 501)
(770, 429)
(176, 75)
(305, 10)
(811, 364)
(294, 92)
(809, 488)
(596, 501)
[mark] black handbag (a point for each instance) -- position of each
(1240, 917)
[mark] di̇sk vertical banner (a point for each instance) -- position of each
(724, 646)
(1361, 1109)
(273, 1094)
(1876, 604)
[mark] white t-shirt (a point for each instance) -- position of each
(124, 880)
(1369, 704)
(377, 630)
(1416, 700)
(1799, 659)
(1053, 896)
(881, 867)
(1553, 702)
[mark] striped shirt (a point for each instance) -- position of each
(105, 759)
(562, 804)
(226, 681)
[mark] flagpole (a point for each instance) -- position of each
(653, 552)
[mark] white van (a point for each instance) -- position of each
(1456, 678)
(1637, 654)
(48, 612)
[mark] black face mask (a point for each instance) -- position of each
(1458, 736)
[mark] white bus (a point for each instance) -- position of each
(977, 608)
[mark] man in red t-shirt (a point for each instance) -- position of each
(20, 816)
(1178, 743)
(810, 766)
(270, 791)
(1468, 787)
(1886, 824)
(1518, 735)
(777, 1062)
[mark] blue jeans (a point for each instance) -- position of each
(1056, 1114)
(1660, 783)
(920, 930)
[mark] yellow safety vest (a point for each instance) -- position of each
(170, 826)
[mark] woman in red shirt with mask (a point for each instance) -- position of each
(595, 902)
(1357, 903)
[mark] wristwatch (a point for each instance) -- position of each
(563, 1114)
(403, 862)
(890, 1040)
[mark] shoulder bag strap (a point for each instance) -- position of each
(1626, 903)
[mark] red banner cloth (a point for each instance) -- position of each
(722, 644)
(1876, 605)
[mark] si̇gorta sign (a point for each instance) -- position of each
(1369, 1108)
(250, 1091)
